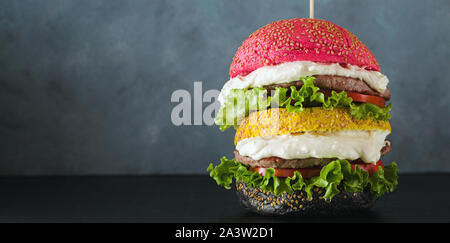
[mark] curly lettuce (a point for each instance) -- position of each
(334, 177)
(239, 103)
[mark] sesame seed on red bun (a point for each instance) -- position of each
(301, 39)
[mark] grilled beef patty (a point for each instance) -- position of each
(337, 83)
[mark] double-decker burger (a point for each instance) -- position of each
(308, 100)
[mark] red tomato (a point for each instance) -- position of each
(357, 97)
(371, 168)
(367, 99)
(315, 171)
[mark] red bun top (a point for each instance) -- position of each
(301, 40)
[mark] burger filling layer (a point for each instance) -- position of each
(337, 83)
(336, 176)
(292, 71)
(350, 145)
(302, 94)
(277, 162)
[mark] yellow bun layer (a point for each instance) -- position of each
(279, 121)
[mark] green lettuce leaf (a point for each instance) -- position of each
(355, 180)
(366, 110)
(240, 102)
(334, 177)
(337, 100)
(384, 181)
(330, 177)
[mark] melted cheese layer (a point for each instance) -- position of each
(349, 144)
(293, 71)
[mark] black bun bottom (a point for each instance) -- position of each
(266, 203)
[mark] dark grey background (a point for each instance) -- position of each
(85, 86)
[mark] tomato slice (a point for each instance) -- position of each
(381, 102)
(371, 168)
(315, 171)
(357, 97)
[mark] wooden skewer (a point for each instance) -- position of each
(311, 9)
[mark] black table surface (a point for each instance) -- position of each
(419, 198)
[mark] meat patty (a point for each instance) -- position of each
(337, 83)
(276, 162)
(387, 147)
